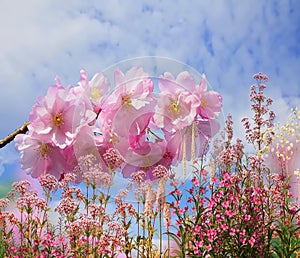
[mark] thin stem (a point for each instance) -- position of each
(160, 234)
(21, 227)
(144, 229)
(184, 156)
(87, 200)
(138, 229)
(168, 244)
(193, 147)
(45, 214)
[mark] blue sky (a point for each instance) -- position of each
(229, 41)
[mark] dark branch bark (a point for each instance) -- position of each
(10, 137)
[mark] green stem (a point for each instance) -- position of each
(168, 245)
(160, 233)
(138, 229)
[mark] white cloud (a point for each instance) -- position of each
(7, 157)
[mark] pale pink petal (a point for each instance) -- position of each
(186, 81)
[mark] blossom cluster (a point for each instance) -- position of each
(126, 126)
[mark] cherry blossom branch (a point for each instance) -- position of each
(10, 137)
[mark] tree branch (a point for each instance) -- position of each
(10, 137)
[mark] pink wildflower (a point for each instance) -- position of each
(66, 206)
(21, 187)
(113, 158)
(160, 172)
(150, 199)
(48, 182)
(161, 195)
(232, 232)
(138, 177)
(251, 240)
(195, 181)
(3, 203)
(208, 247)
(121, 195)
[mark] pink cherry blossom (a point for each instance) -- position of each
(132, 127)
(128, 110)
(134, 90)
(38, 157)
(176, 107)
(94, 90)
(57, 116)
(211, 101)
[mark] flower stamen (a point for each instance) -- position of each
(44, 149)
(96, 94)
(174, 107)
(57, 119)
(126, 101)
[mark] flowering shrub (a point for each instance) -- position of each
(235, 202)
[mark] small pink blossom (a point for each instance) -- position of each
(4, 202)
(232, 232)
(113, 159)
(195, 181)
(138, 177)
(48, 236)
(178, 192)
(208, 247)
(178, 222)
(252, 241)
(48, 182)
(160, 172)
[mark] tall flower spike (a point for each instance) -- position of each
(184, 156)
(193, 148)
(161, 195)
(167, 215)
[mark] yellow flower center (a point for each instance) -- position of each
(126, 101)
(96, 94)
(174, 107)
(57, 119)
(44, 149)
(204, 103)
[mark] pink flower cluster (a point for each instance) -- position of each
(130, 126)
